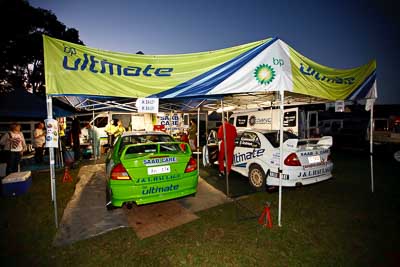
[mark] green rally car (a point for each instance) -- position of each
(147, 167)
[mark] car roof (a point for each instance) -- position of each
(136, 133)
(263, 131)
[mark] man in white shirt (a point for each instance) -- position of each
(39, 140)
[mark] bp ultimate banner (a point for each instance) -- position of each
(262, 66)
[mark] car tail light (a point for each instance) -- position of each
(191, 166)
(292, 160)
(183, 147)
(119, 173)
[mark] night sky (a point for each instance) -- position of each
(338, 34)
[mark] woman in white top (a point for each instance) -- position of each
(39, 139)
(14, 142)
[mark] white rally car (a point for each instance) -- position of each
(257, 156)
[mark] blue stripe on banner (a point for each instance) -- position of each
(214, 76)
(364, 88)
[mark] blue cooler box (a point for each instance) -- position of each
(16, 183)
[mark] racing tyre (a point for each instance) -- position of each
(396, 156)
(257, 177)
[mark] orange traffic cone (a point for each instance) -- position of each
(265, 217)
(67, 176)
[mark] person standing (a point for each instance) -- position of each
(14, 143)
(231, 135)
(94, 136)
(192, 134)
(119, 130)
(110, 130)
(39, 140)
(62, 126)
(75, 142)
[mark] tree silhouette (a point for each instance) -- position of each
(21, 44)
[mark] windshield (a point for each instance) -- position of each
(273, 137)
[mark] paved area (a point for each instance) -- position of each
(149, 220)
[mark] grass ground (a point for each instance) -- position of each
(335, 223)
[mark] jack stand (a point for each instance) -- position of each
(265, 217)
(67, 176)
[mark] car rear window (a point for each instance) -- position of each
(139, 150)
(143, 139)
(273, 137)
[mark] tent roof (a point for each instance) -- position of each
(86, 77)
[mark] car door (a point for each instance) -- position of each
(246, 145)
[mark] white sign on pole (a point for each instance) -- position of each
(51, 133)
(147, 105)
(339, 106)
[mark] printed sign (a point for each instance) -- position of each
(147, 105)
(51, 133)
(339, 106)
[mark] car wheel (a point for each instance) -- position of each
(396, 155)
(257, 177)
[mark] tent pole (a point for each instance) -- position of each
(371, 145)
(225, 149)
(170, 122)
(198, 139)
(52, 168)
(206, 124)
(282, 97)
(94, 148)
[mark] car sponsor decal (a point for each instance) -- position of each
(316, 152)
(156, 189)
(159, 161)
(241, 165)
(312, 173)
(154, 179)
(240, 157)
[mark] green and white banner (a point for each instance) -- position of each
(266, 65)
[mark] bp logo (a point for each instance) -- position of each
(264, 74)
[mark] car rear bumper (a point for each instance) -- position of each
(303, 177)
(153, 192)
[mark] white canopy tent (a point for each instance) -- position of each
(237, 74)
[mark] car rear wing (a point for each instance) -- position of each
(323, 142)
(143, 149)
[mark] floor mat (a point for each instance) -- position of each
(152, 219)
(206, 197)
(85, 215)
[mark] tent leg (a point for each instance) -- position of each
(225, 149)
(52, 168)
(94, 148)
(198, 140)
(371, 146)
(282, 97)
